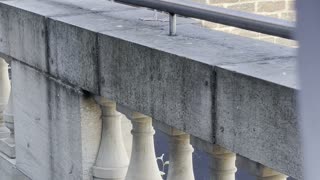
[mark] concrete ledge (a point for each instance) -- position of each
(258, 119)
(57, 128)
(215, 86)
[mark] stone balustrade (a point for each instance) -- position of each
(92, 82)
(112, 160)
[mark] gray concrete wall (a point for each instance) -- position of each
(257, 119)
(8, 169)
(57, 128)
(107, 50)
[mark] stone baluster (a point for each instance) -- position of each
(265, 173)
(143, 165)
(7, 145)
(180, 157)
(223, 164)
(112, 160)
(4, 96)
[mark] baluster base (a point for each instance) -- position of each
(100, 173)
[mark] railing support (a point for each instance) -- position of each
(112, 160)
(4, 96)
(223, 164)
(180, 157)
(172, 24)
(143, 165)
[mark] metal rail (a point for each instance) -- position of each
(248, 21)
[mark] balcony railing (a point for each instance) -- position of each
(137, 160)
(80, 88)
(248, 21)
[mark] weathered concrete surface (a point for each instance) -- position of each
(105, 49)
(78, 63)
(57, 129)
(276, 70)
(258, 119)
(24, 36)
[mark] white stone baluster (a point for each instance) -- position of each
(265, 173)
(7, 145)
(223, 164)
(4, 95)
(112, 160)
(180, 157)
(143, 165)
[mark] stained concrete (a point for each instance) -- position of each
(23, 36)
(198, 81)
(258, 119)
(57, 128)
(76, 64)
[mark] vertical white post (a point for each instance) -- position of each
(143, 164)
(4, 95)
(112, 160)
(180, 157)
(223, 164)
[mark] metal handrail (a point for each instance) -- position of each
(243, 20)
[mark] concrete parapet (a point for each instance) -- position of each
(223, 89)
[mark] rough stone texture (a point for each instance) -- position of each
(73, 55)
(57, 131)
(257, 117)
(170, 78)
(23, 33)
(276, 69)
(26, 37)
(153, 71)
